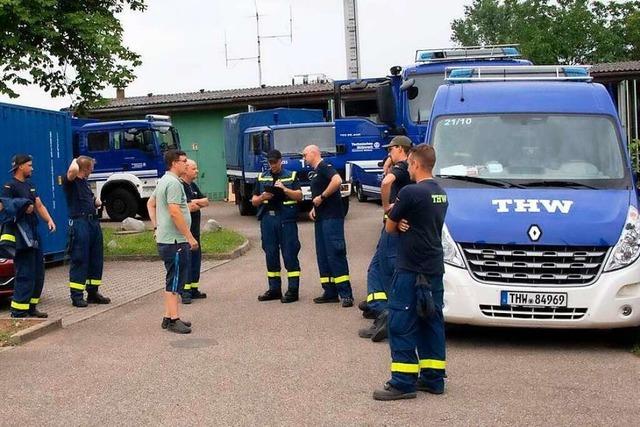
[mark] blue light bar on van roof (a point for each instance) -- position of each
(518, 73)
(468, 53)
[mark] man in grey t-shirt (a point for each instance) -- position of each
(171, 221)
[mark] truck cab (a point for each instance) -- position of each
(543, 227)
(129, 160)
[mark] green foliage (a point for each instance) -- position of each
(68, 47)
(634, 151)
(555, 32)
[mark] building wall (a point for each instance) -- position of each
(201, 134)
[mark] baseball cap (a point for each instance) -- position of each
(399, 141)
(274, 155)
(19, 159)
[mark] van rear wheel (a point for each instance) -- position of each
(121, 204)
(360, 194)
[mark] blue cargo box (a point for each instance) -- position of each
(46, 135)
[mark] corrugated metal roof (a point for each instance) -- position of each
(616, 68)
(217, 96)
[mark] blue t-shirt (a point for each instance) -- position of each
(401, 171)
(424, 206)
(80, 198)
(15, 189)
(331, 207)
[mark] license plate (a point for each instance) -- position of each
(533, 299)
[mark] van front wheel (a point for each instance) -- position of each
(121, 204)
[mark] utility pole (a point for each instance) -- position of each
(259, 38)
(352, 38)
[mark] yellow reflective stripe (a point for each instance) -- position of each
(19, 305)
(78, 286)
(34, 301)
(286, 179)
(432, 364)
(289, 202)
(273, 274)
(376, 296)
(405, 368)
(341, 279)
(293, 274)
(187, 286)
(9, 237)
(94, 282)
(195, 285)
(264, 202)
(325, 279)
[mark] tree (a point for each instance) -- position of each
(68, 47)
(555, 32)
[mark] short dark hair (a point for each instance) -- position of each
(172, 156)
(85, 161)
(425, 155)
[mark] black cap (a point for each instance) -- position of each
(400, 141)
(19, 159)
(274, 155)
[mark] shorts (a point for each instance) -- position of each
(176, 257)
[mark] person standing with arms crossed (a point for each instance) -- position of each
(416, 322)
(171, 220)
(196, 201)
(328, 214)
(29, 259)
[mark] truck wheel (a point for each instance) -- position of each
(360, 194)
(345, 205)
(121, 204)
(245, 207)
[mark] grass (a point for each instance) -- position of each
(9, 327)
(214, 242)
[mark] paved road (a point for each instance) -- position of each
(250, 363)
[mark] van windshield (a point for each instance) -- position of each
(528, 148)
(426, 86)
(293, 140)
(167, 138)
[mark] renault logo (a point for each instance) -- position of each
(534, 233)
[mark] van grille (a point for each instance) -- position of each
(538, 313)
(534, 264)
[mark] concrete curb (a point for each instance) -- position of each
(36, 331)
(236, 253)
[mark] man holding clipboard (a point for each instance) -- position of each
(276, 195)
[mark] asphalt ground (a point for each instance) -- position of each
(251, 363)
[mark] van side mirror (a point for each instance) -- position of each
(386, 104)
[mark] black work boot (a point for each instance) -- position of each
(34, 312)
(270, 295)
(290, 296)
(179, 327)
(196, 294)
(367, 332)
(381, 333)
(77, 300)
(391, 393)
(94, 297)
(347, 302)
(185, 297)
(166, 321)
(429, 388)
(19, 314)
(363, 305)
(324, 299)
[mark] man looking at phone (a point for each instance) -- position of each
(276, 195)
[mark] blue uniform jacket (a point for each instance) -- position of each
(15, 228)
(287, 208)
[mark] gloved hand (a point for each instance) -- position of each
(425, 306)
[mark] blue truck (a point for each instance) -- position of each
(543, 227)
(404, 99)
(249, 136)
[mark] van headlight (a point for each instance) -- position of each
(627, 249)
(452, 254)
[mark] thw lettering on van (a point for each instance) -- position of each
(532, 205)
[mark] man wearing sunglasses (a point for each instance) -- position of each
(276, 195)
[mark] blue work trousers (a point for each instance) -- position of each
(380, 272)
(280, 236)
(85, 247)
(331, 252)
(195, 264)
(29, 279)
(410, 334)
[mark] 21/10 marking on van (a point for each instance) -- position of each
(460, 121)
(533, 299)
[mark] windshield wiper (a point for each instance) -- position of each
(557, 183)
(486, 181)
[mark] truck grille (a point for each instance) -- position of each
(534, 264)
(539, 313)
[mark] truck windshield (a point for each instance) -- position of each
(293, 140)
(167, 138)
(531, 149)
(426, 86)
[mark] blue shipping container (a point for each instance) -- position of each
(46, 135)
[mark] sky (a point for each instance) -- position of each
(182, 44)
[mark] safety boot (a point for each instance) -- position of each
(94, 297)
(79, 301)
(186, 297)
(167, 320)
(363, 305)
(290, 296)
(19, 314)
(270, 295)
(34, 312)
(381, 333)
(424, 386)
(324, 299)
(179, 327)
(391, 393)
(196, 294)
(347, 302)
